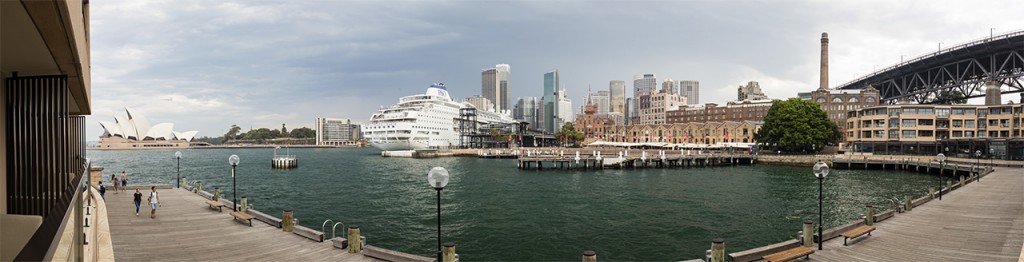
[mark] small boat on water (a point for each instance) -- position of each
(284, 161)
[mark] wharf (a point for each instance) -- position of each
(565, 161)
(981, 222)
(186, 229)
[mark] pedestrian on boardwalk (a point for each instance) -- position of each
(138, 201)
(113, 178)
(124, 180)
(103, 191)
(154, 202)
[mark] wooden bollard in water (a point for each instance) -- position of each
(449, 252)
(287, 220)
(808, 233)
(718, 250)
(589, 256)
(869, 219)
(910, 203)
(354, 243)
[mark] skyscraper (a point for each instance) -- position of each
(526, 111)
(550, 101)
(494, 85)
(691, 90)
(481, 103)
(669, 86)
(642, 84)
(617, 101)
(600, 100)
(751, 91)
(565, 113)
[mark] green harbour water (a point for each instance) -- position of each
(493, 211)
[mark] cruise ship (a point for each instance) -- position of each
(429, 120)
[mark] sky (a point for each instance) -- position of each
(206, 65)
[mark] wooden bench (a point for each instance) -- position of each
(856, 232)
(243, 216)
(790, 254)
(216, 204)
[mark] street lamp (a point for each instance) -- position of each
(820, 171)
(177, 155)
(438, 178)
(942, 165)
(977, 154)
(233, 160)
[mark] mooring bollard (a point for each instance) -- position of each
(949, 185)
(216, 193)
(199, 186)
(870, 218)
(245, 204)
(961, 181)
(910, 203)
(449, 252)
(589, 256)
(808, 233)
(354, 243)
(718, 250)
(287, 220)
(931, 192)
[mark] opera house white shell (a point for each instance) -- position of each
(134, 131)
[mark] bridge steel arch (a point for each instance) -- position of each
(965, 68)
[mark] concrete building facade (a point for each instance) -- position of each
(750, 91)
(526, 110)
(731, 111)
(654, 105)
(642, 84)
(691, 90)
(337, 132)
(495, 84)
(481, 103)
(617, 99)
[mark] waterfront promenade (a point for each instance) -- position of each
(187, 230)
(981, 222)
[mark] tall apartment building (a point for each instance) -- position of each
(601, 100)
(691, 90)
(526, 111)
(617, 100)
(654, 105)
(494, 85)
(565, 114)
(549, 103)
(481, 103)
(732, 111)
(751, 91)
(336, 132)
(995, 131)
(642, 84)
(669, 86)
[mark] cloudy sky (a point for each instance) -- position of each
(205, 65)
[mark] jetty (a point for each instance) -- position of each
(656, 159)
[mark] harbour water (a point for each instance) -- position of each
(493, 211)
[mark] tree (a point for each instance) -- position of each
(303, 132)
(797, 124)
(950, 97)
(284, 131)
(569, 134)
(232, 133)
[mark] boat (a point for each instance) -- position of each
(422, 121)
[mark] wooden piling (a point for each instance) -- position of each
(869, 219)
(718, 250)
(909, 202)
(287, 220)
(808, 233)
(354, 243)
(449, 252)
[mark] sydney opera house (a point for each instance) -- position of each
(134, 132)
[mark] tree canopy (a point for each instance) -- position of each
(950, 97)
(797, 124)
(303, 132)
(569, 134)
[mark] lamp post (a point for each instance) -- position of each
(233, 160)
(977, 154)
(820, 171)
(942, 165)
(177, 155)
(991, 156)
(438, 178)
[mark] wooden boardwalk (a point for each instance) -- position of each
(981, 222)
(187, 230)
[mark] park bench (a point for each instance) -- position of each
(215, 204)
(856, 232)
(243, 216)
(790, 254)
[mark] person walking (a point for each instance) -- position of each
(154, 202)
(124, 181)
(113, 178)
(138, 201)
(103, 191)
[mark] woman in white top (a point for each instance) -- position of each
(154, 202)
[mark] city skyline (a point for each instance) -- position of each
(267, 63)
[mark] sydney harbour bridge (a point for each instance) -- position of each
(970, 68)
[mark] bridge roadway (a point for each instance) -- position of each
(186, 229)
(981, 222)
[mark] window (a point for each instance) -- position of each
(909, 134)
(854, 100)
(894, 134)
(909, 111)
(909, 122)
(968, 133)
(894, 123)
(870, 99)
(958, 111)
(837, 100)
(958, 123)
(968, 123)
(942, 112)
(925, 122)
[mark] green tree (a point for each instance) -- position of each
(232, 133)
(302, 132)
(950, 97)
(569, 134)
(284, 131)
(797, 124)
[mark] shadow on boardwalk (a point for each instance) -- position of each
(187, 230)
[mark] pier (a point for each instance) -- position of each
(656, 160)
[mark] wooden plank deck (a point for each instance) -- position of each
(981, 222)
(186, 229)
